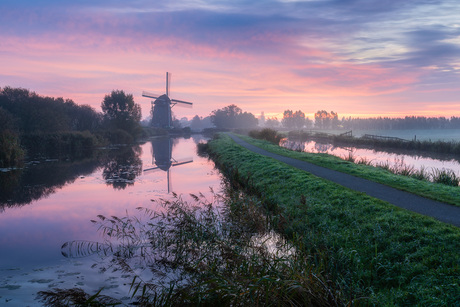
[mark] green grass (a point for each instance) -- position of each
(366, 247)
(435, 191)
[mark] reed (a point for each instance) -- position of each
(216, 253)
(445, 176)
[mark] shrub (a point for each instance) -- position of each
(267, 134)
(11, 153)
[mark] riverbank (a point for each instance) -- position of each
(370, 249)
(434, 191)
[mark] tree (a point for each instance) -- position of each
(232, 117)
(287, 120)
(293, 119)
(225, 117)
(121, 112)
(196, 123)
(299, 119)
(246, 120)
(272, 122)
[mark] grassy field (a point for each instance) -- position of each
(440, 192)
(375, 253)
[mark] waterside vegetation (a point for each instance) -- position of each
(372, 251)
(32, 125)
(444, 147)
(219, 252)
(400, 176)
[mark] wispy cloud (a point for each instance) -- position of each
(356, 52)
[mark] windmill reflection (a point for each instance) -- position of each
(162, 158)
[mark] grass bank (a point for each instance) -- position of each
(374, 252)
(435, 191)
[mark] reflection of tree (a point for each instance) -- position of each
(122, 166)
(21, 187)
(322, 147)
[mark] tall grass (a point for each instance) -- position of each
(447, 177)
(367, 247)
(213, 253)
(399, 167)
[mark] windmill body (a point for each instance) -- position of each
(161, 115)
(161, 107)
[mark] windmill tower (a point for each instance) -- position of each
(161, 115)
(163, 160)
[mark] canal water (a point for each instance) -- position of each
(51, 202)
(394, 158)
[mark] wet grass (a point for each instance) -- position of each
(384, 174)
(366, 247)
(221, 252)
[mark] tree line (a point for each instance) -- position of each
(32, 120)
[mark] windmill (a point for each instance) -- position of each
(161, 115)
(162, 158)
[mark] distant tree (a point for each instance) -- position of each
(232, 117)
(334, 120)
(246, 120)
(272, 122)
(299, 119)
(196, 123)
(288, 119)
(326, 120)
(293, 120)
(121, 112)
(225, 117)
(206, 122)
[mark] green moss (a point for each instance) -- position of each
(367, 247)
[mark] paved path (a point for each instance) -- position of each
(440, 211)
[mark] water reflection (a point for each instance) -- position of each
(162, 158)
(391, 157)
(39, 180)
(121, 167)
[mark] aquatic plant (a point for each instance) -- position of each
(219, 252)
(445, 176)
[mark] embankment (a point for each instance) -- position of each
(374, 252)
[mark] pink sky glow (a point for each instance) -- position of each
(357, 60)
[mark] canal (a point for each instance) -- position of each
(51, 202)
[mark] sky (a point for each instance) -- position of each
(359, 58)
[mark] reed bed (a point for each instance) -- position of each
(213, 253)
(399, 167)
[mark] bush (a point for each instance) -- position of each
(11, 152)
(74, 144)
(267, 134)
(117, 136)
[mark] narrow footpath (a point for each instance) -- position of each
(441, 211)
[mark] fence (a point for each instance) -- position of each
(384, 138)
